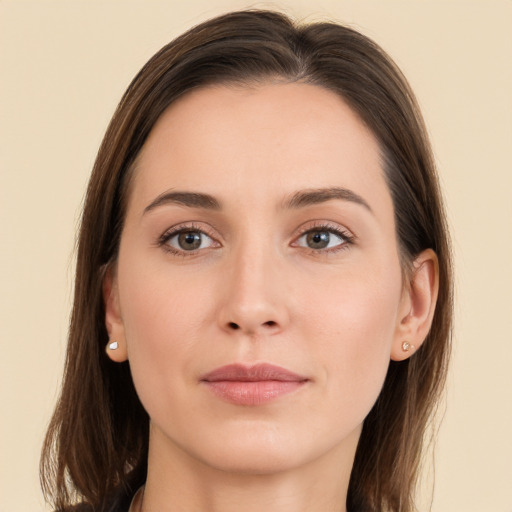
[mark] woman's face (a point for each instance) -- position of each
(259, 231)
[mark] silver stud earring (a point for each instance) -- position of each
(406, 346)
(114, 345)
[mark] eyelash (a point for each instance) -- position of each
(163, 240)
(347, 237)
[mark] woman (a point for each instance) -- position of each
(264, 257)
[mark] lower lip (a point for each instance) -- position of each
(252, 393)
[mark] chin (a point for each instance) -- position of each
(267, 450)
(248, 448)
(256, 460)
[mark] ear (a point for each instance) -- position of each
(417, 306)
(116, 347)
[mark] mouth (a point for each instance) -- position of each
(252, 385)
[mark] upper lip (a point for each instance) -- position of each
(254, 373)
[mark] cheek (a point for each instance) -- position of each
(163, 316)
(351, 329)
(358, 308)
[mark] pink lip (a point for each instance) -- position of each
(252, 385)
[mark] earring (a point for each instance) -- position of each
(406, 346)
(114, 345)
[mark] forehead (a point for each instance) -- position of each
(263, 140)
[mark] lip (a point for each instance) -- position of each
(252, 385)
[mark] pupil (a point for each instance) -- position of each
(189, 240)
(318, 240)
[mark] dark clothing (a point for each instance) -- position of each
(119, 502)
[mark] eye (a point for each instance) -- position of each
(187, 240)
(323, 238)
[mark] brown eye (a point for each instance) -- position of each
(319, 239)
(189, 240)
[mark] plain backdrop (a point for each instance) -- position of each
(63, 67)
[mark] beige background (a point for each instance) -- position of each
(64, 65)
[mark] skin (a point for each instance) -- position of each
(256, 291)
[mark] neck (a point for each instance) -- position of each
(179, 482)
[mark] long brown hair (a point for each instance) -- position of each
(97, 440)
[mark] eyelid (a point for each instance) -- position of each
(169, 233)
(320, 225)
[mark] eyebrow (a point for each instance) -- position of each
(317, 196)
(190, 199)
(300, 199)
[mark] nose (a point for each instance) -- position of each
(255, 299)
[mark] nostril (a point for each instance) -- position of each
(234, 326)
